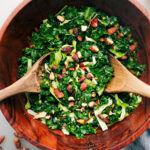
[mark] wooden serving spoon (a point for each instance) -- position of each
(123, 81)
(28, 83)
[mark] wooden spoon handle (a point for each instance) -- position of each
(135, 85)
(28, 83)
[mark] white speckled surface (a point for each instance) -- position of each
(6, 7)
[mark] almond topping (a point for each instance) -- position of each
(52, 76)
(60, 18)
(94, 48)
(81, 121)
(83, 86)
(58, 93)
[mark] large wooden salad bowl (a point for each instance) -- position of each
(13, 37)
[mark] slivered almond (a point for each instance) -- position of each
(84, 104)
(94, 48)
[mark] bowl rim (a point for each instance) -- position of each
(128, 140)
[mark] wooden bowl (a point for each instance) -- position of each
(13, 37)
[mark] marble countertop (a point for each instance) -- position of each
(6, 7)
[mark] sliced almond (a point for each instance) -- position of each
(112, 30)
(76, 67)
(82, 79)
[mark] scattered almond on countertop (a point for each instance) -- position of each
(2, 138)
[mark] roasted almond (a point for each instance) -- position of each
(79, 55)
(67, 49)
(89, 76)
(81, 121)
(94, 48)
(54, 67)
(124, 57)
(69, 88)
(132, 47)
(75, 31)
(71, 98)
(52, 76)
(84, 63)
(105, 119)
(82, 79)
(84, 28)
(71, 104)
(75, 57)
(112, 30)
(94, 23)
(80, 38)
(77, 67)
(59, 76)
(58, 93)
(40, 115)
(72, 69)
(93, 94)
(109, 41)
(83, 86)
(101, 39)
(91, 104)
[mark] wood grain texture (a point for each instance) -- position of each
(13, 37)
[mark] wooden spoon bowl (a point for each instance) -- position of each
(13, 38)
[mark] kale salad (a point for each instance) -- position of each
(73, 78)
